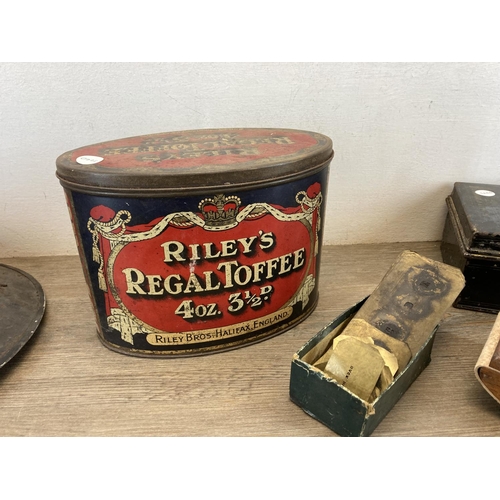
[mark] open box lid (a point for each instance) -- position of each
(476, 208)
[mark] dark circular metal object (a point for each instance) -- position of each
(22, 305)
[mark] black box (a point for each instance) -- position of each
(471, 242)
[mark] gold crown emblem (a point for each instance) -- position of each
(220, 211)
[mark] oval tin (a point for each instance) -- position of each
(199, 241)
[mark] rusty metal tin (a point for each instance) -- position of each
(199, 241)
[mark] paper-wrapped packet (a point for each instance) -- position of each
(392, 325)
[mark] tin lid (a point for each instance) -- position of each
(194, 160)
(476, 208)
(22, 305)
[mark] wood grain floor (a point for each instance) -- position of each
(64, 382)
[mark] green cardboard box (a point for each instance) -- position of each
(332, 404)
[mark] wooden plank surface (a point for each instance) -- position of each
(66, 383)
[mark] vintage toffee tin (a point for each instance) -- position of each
(199, 241)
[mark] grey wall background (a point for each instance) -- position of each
(403, 133)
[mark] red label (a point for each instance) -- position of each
(184, 150)
(220, 273)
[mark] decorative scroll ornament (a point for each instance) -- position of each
(96, 227)
(305, 291)
(126, 325)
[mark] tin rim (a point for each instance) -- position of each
(224, 187)
(158, 180)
